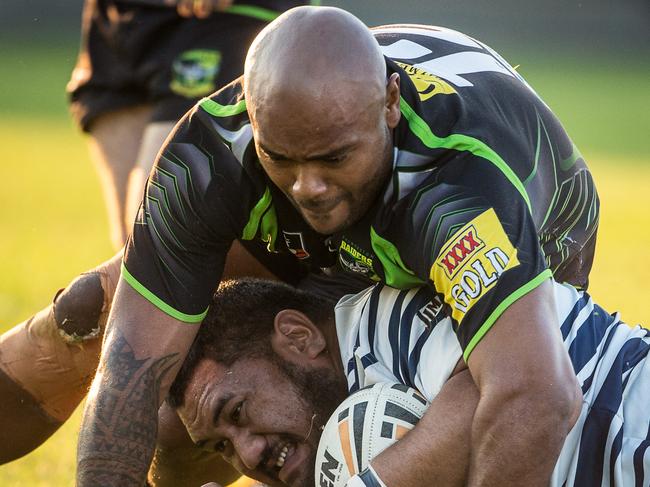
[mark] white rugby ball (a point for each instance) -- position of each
(365, 424)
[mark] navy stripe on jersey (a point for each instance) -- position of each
(590, 337)
(604, 408)
(372, 316)
(639, 453)
(617, 446)
(419, 300)
(567, 325)
(394, 332)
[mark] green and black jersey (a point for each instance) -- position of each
(488, 195)
(265, 10)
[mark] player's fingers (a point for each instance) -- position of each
(211, 484)
(185, 8)
(222, 5)
(202, 8)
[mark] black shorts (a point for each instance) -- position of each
(135, 54)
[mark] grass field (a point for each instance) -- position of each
(53, 226)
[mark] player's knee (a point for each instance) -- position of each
(78, 307)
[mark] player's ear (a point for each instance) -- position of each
(393, 113)
(296, 338)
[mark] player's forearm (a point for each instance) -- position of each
(517, 437)
(436, 451)
(119, 428)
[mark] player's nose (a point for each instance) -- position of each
(309, 183)
(249, 449)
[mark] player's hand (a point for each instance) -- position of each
(211, 484)
(201, 8)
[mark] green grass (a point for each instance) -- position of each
(53, 225)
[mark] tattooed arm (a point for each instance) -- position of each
(142, 352)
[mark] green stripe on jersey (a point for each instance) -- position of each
(214, 108)
(505, 304)
(263, 218)
(259, 13)
(396, 274)
(159, 303)
(460, 142)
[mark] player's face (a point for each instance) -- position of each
(330, 160)
(259, 418)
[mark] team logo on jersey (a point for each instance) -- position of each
(471, 263)
(427, 84)
(356, 260)
(465, 246)
(295, 244)
(430, 314)
(194, 72)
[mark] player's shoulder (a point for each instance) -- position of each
(411, 41)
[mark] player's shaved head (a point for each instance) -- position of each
(322, 112)
(316, 56)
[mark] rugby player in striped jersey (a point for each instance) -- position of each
(270, 363)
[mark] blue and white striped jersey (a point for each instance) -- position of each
(388, 335)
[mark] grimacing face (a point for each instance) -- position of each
(331, 164)
(258, 418)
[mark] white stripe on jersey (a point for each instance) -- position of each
(443, 33)
(383, 337)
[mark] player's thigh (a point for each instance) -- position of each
(153, 137)
(116, 137)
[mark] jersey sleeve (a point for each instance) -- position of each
(476, 245)
(191, 212)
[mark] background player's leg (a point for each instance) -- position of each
(153, 137)
(115, 140)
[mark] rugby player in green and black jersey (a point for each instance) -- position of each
(409, 155)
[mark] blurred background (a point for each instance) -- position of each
(589, 60)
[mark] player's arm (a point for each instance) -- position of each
(481, 253)
(192, 211)
(437, 450)
(530, 398)
(143, 349)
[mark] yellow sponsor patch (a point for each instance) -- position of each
(427, 84)
(471, 262)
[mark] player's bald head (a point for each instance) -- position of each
(314, 55)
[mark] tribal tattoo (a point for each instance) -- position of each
(120, 425)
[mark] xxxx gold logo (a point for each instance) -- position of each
(427, 84)
(460, 251)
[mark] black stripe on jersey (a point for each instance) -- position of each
(394, 334)
(358, 418)
(639, 453)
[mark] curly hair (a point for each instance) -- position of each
(239, 325)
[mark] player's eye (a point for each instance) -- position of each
(221, 446)
(334, 159)
(236, 413)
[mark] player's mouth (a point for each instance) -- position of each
(286, 459)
